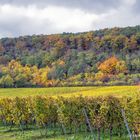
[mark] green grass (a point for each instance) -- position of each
(70, 91)
(34, 134)
(22, 92)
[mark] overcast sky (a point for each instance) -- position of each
(27, 17)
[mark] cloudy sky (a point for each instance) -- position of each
(27, 17)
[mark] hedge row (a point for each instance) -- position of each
(104, 113)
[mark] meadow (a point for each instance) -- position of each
(70, 91)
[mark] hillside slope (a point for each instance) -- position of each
(102, 57)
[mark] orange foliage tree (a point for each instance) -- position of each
(112, 66)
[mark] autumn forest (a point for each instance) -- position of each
(101, 57)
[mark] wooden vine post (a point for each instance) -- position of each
(126, 124)
(88, 122)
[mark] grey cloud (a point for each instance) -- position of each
(136, 7)
(12, 24)
(97, 6)
(15, 26)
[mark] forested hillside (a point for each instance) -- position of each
(102, 57)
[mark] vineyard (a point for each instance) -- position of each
(76, 117)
